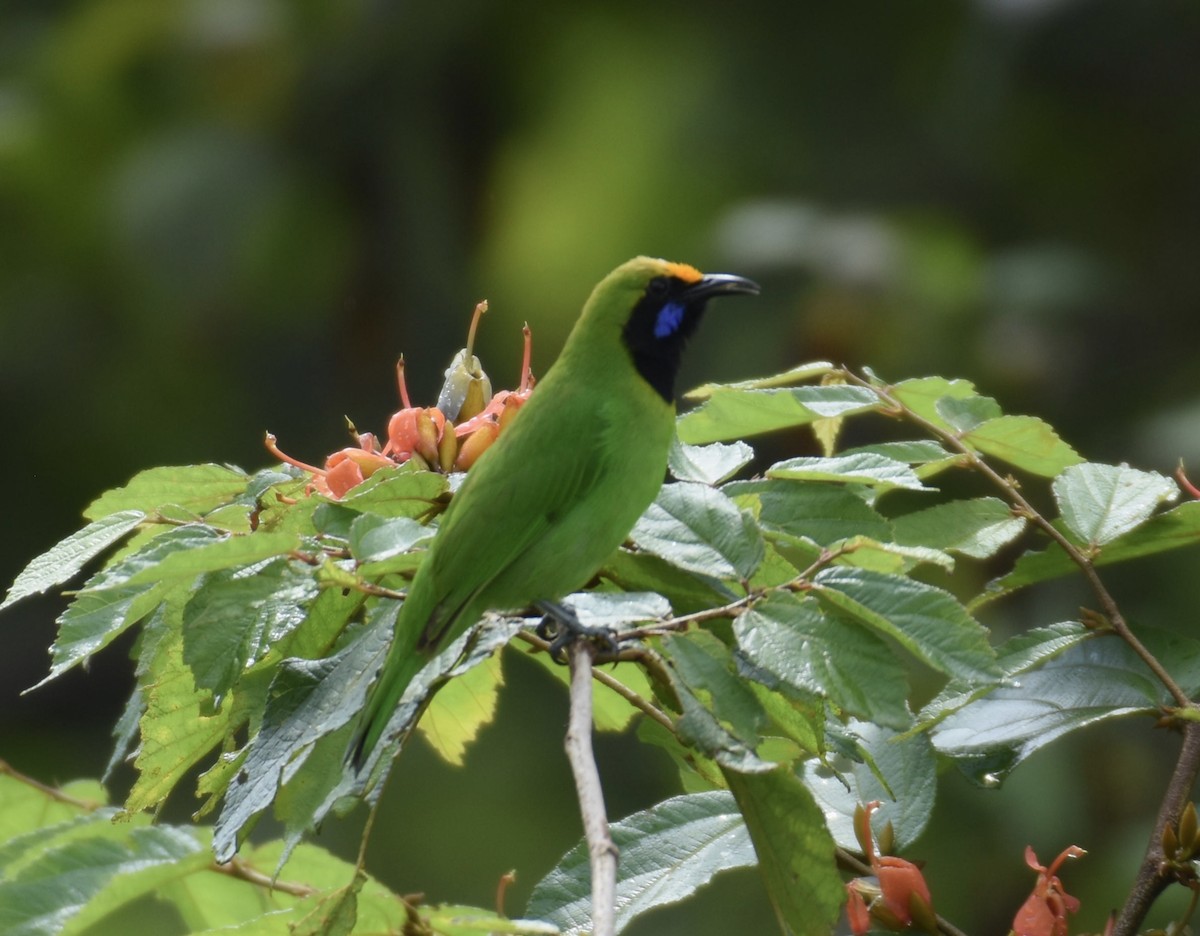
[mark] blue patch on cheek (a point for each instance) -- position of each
(669, 319)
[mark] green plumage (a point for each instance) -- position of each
(563, 485)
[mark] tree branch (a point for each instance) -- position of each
(1152, 876)
(601, 850)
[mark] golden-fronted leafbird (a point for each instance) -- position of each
(561, 488)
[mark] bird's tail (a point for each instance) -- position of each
(401, 666)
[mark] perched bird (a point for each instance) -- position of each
(562, 486)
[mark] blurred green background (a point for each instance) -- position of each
(219, 217)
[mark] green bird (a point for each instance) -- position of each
(563, 485)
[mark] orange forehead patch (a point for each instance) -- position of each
(689, 274)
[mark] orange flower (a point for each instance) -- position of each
(1045, 912)
(901, 898)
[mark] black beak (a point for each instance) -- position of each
(720, 284)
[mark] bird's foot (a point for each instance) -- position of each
(561, 627)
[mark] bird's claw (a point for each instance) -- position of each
(561, 627)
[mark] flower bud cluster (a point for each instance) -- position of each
(448, 437)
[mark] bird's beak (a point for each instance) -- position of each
(719, 284)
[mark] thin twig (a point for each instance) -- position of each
(53, 792)
(237, 868)
(638, 702)
(601, 850)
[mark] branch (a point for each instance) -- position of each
(53, 793)
(1153, 876)
(1116, 619)
(237, 868)
(601, 850)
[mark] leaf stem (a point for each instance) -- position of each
(237, 868)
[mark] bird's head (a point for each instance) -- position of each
(657, 305)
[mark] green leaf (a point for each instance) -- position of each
(685, 591)
(926, 621)
(308, 700)
(798, 374)
(225, 553)
(878, 471)
(978, 528)
(63, 561)
(794, 848)
(196, 488)
(667, 853)
(731, 413)
(923, 394)
(233, 617)
(1090, 681)
(898, 771)
(461, 709)
(967, 413)
(835, 659)
(403, 491)
(71, 886)
(177, 727)
(108, 605)
(708, 464)
(374, 538)
(1170, 530)
(1024, 442)
(704, 664)
(823, 513)
(1018, 654)
(1099, 503)
(701, 530)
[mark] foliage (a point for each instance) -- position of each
(774, 629)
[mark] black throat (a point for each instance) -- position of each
(655, 356)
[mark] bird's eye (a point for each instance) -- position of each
(658, 288)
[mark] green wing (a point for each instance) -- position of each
(510, 501)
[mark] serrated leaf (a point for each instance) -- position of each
(309, 699)
(823, 513)
(196, 488)
(708, 464)
(794, 848)
(1024, 442)
(71, 886)
(701, 530)
(898, 771)
(923, 394)
(403, 491)
(233, 617)
(978, 528)
(1091, 681)
(967, 413)
(461, 709)
(374, 538)
(878, 471)
(1016, 655)
(926, 621)
(667, 853)
(1102, 502)
(704, 664)
(176, 728)
(225, 553)
(794, 375)
(1173, 529)
(64, 560)
(685, 591)
(730, 413)
(839, 660)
